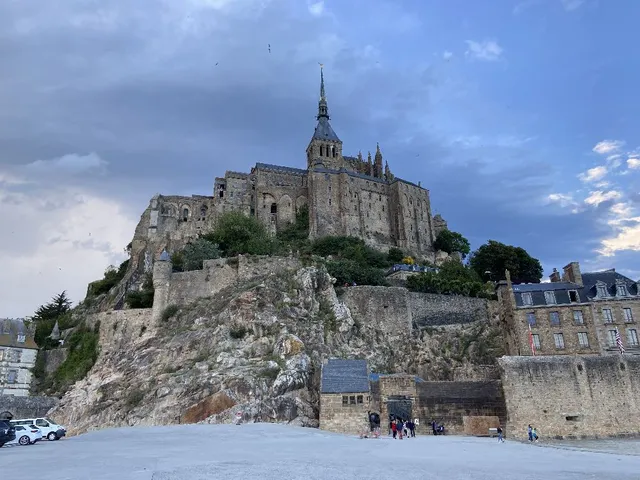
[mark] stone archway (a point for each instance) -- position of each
(6, 415)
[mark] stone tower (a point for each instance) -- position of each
(161, 280)
(325, 147)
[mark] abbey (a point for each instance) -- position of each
(345, 196)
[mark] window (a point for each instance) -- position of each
(274, 208)
(607, 315)
(621, 290)
(321, 150)
(531, 319)
(352, 400)
(41, 423)
(345, 400)
(550, 298)
(612, 338)
(632, 337)
(359, 399)
(526, 299)
(628, 315)
(602, 291)
(12, 376)
(554, 318)
(583, 339)
(536, 341)
(558, 338)
(573, 296)
(14, 355)
(21, 338)
(185, 214)
(578, 319)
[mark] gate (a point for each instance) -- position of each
(399, 406)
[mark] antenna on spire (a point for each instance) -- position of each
(322, 95)
(323, 111)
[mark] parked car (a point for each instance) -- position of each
(50, 429)
(26, 435)
(7, 432)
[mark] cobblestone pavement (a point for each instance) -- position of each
(616, 446)
(278, 452)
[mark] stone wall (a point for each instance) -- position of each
(26, 407)
(396, 311)
(469, 408)
(337, 417)
(185, 287)
(585, 396)
(118, 328)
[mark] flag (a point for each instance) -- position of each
(533, 347)
(619, 342)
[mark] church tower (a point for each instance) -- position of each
(325, 147)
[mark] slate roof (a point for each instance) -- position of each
(280, 168)
(10, 329)
(586, 293)
(324, 131)
(344, 376)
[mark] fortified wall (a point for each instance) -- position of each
(585, 396)
(26, 407)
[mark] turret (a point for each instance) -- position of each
(369, 165)
(161, 280)
(377, 164)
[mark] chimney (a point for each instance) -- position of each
(572, 273)
(555, 275)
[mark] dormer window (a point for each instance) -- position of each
(602, 291)
(621, 290)
(573, 296)
(550, 298)
(21, 338)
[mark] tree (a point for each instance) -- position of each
(451, 242)
(236, 233)
(196, 252)
(492, 259)
(395, 255)
(59, 305)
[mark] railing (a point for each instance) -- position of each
(411, 268)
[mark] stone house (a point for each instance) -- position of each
(576, 313)
(345, 396)
(18, 352)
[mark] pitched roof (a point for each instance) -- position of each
(324, 131)
(344, 376)
(11, 329)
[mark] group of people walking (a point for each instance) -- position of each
(399, 428)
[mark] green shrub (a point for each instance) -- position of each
(395, 255)
(83, 353)
(296, 234)
(236, 233)
(142, 298)
(451, 242)
(238, 332)
(193, 255)
(112, 277)
(169, 312)
(350, 271)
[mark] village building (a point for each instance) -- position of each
(18, 352)
(345, 396)
(575, 313)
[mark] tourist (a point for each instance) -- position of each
(433, 427)
(405, 427)
(399, 427)
(500, 439)
(394, 428)
(530, 433)
(534, 433)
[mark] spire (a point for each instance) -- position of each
(369, 165)
(377, 164)
(360, 156)
(387, 172)
(323, 109)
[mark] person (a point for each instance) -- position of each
(433, 427)
(400, 427)
(500, 439)
(412, 427)
(394, 428)
(534, 433)
(530, 433)
(405, 426)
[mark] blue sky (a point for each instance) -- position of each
(519, 116)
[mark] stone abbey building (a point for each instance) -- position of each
(345, 196)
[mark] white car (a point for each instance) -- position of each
(26, 435)
(50, 430)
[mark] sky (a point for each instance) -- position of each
(520, 117)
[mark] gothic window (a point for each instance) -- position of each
(185, 214)
(321, 150)
(274, 208)
(333, 151)
(203, 211)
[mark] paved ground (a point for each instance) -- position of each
(266, 451)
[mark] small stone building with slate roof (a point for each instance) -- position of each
(345, 396)
(18, 352)
(574, 313)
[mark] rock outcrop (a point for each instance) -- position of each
(255, 348)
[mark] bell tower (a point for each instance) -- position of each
(325, 148)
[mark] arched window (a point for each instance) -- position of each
(203, 211)
(274, 208)
(321, 150)
(333, 151)
(185, 214)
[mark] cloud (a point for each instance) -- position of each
(571, 5)
(608, 146)
(487, 50)
(447, 55)
(316, 8)
(593, 174)
(597, 197)
(614, 160)
(633, 163)
(70, 163)
(563, 200)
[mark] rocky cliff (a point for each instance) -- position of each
(255, 347)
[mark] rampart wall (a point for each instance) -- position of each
(580, 396)
(26, 407)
